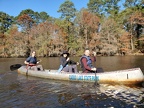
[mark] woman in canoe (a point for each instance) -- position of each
(32, 62)
(66, 64)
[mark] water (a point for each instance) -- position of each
(19, 91)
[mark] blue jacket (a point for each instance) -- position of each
(32, 60)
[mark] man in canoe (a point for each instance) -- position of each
(86, 62)
(32, 62)
(66, 64)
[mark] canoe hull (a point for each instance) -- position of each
(127, 77)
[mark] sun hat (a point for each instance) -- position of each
(65, 52)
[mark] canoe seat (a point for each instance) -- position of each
(100, 70)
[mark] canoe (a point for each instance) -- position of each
(132, 76)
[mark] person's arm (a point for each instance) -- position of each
(84, 60)
(38, 61)
(64, 61)
(27, 61)
(93, 58)
(72, 62)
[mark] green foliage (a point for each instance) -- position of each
(133, 3)
(96, 6)
(43, 16)
(104, 7)
(30, 13)
(5, 22)
(68, 10)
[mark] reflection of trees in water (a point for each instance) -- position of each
(129, 95)
(96, 99)
(8, 81)
(112, 96)
(64, 98)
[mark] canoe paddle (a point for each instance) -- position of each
(27, 67)
(15, 67)
(96, 83)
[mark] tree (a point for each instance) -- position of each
(46, 38)
(88, 23)
(62, 24)
(68, 13)
(25, 22)
(133, 3)
(124, 42)
(109, 33)
(131, 19)
(68, 10)
(103, 7)
(15, 42)
(5, 23)
(33, 15)
(137, 21)
(111, 7)
(43, 16)
(96, 6)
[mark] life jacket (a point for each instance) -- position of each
(89, 62)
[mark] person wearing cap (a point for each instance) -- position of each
(86, 62)
(66, 64)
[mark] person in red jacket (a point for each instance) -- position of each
(86, 62)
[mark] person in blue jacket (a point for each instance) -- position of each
(32, 62)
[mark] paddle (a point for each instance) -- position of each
(28, 67)
(27, 70)
(15, 67)
(96, 83)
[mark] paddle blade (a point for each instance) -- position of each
(15, 67)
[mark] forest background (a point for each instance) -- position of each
(102, 27)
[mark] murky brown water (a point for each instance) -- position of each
(18, 91)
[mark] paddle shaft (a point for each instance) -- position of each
(96, 83)
(27, 70)
(28, 67)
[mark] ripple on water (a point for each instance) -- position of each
(29, 92)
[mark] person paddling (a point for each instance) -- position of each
(86, 62)
(32, 62)
(66, 64)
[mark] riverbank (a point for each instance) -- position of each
(130, 54)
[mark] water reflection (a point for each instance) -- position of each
(29, 92)
(64, 98)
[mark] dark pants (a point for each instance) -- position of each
(70, 68)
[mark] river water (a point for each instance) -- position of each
(19, 91)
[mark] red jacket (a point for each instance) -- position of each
(84, 61)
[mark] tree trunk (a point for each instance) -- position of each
(86, 37)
